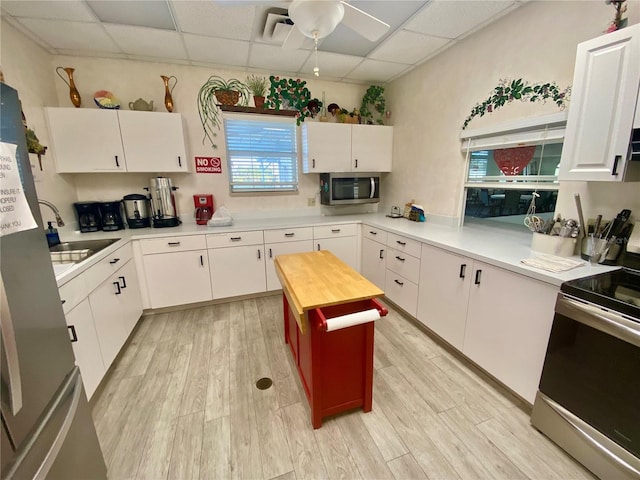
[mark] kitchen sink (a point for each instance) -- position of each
(74, 252)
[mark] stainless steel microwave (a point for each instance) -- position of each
(349, 188)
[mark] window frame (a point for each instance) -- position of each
(268, 188)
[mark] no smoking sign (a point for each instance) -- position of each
(208, 165)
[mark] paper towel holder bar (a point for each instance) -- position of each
(322, 324)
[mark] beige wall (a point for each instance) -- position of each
(536, 42)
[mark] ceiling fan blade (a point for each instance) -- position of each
(294, 40)
(361, 22)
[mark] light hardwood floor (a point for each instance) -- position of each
(181, 403)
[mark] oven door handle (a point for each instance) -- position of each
(603, 320)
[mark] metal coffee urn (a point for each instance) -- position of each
(164, 212)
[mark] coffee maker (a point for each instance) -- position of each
(136, 209)
(164, 212)
(204, 208)
(111, 215)
(88, 216)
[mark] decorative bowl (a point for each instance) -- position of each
(106, 99)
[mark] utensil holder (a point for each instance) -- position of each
(553, 244)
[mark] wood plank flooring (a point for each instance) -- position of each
(181, 403)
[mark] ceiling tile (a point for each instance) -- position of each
(134, 12)
(451, 19)
(72, 35)
(220, 51)
(273, 59)
(147, 41)
(207, 18)
(331, 64)
(376, 71)
(408, 47)
(54, 9)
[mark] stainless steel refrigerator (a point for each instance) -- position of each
(47, 429)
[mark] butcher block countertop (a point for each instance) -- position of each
(320, 279)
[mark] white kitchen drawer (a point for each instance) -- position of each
(99, 272)
(403, 264)
(182, 243)
(404, 244)
(288, 235)
(73, 292)
(374, 234)
(329, 231)
(235, 239)
(402, 292)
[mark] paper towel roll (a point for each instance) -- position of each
(352, 319)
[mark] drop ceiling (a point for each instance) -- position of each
(248, 35)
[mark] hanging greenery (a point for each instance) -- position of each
(373, 98)
(507, 91)
(289, 94)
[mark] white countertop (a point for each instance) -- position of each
(503, 247)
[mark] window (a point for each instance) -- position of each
(529, 152)
(262, 153)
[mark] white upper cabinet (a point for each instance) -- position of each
(342, 147)
(86, 140)
(153, 142)
(94, 140)
(603, 104)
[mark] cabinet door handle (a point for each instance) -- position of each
(270, 254)
(235, 239)
(179, 161)
(318, 247)
(173, 244)
(259, 255)
(478, 275)
(313, 163)
(381, 252)
(117, 284)
(399, 282)
(616, 160)
(463, 269)
(372, 232)
(63, 302)
(124, 282)
(400, 258)
(114, 261)
(289, 234)
(74, 337)
(401, 243)
(201, 261)
(335, 230)
(356, 163)
(117, 163)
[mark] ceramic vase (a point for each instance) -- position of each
(168, 100)
(74, 95)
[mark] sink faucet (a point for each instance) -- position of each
(59, 220)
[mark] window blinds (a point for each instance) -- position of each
(262, 153)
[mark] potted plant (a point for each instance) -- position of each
(373, 98)
(258, 88)
(217, 91)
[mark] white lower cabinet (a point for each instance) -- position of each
(445, 279)
(402, 272)
(86, 347)
(281, 242)
(508, 325)
(374, 262)
(341, 240)
(401, 291)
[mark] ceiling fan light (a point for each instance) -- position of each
(313, 17)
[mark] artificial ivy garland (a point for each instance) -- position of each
(507, 91)
(296, 94)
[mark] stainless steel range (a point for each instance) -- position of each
(588, 400)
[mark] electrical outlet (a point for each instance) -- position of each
(311, 202)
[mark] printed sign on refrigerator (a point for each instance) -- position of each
(15, 215)
(208, 165)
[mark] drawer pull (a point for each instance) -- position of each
(463, 269)
(114, 261)
(400, 258)
(117, 284)
(372, 232)
(259, 255)
(318, 247)
(173, 244)
(289, 234)
(335, 230)
(201, 261)
(117, 163)
(399, 282)
(179, 161)
(124, 282)
(381, 253)
(270, 254)
(401, 243)
(74, 337)
(63, 302)
(478, 276)
(235, 239)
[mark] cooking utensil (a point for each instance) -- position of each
(583, 226)
(619, 222)
(596, 227)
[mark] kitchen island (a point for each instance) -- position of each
(329, 311)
